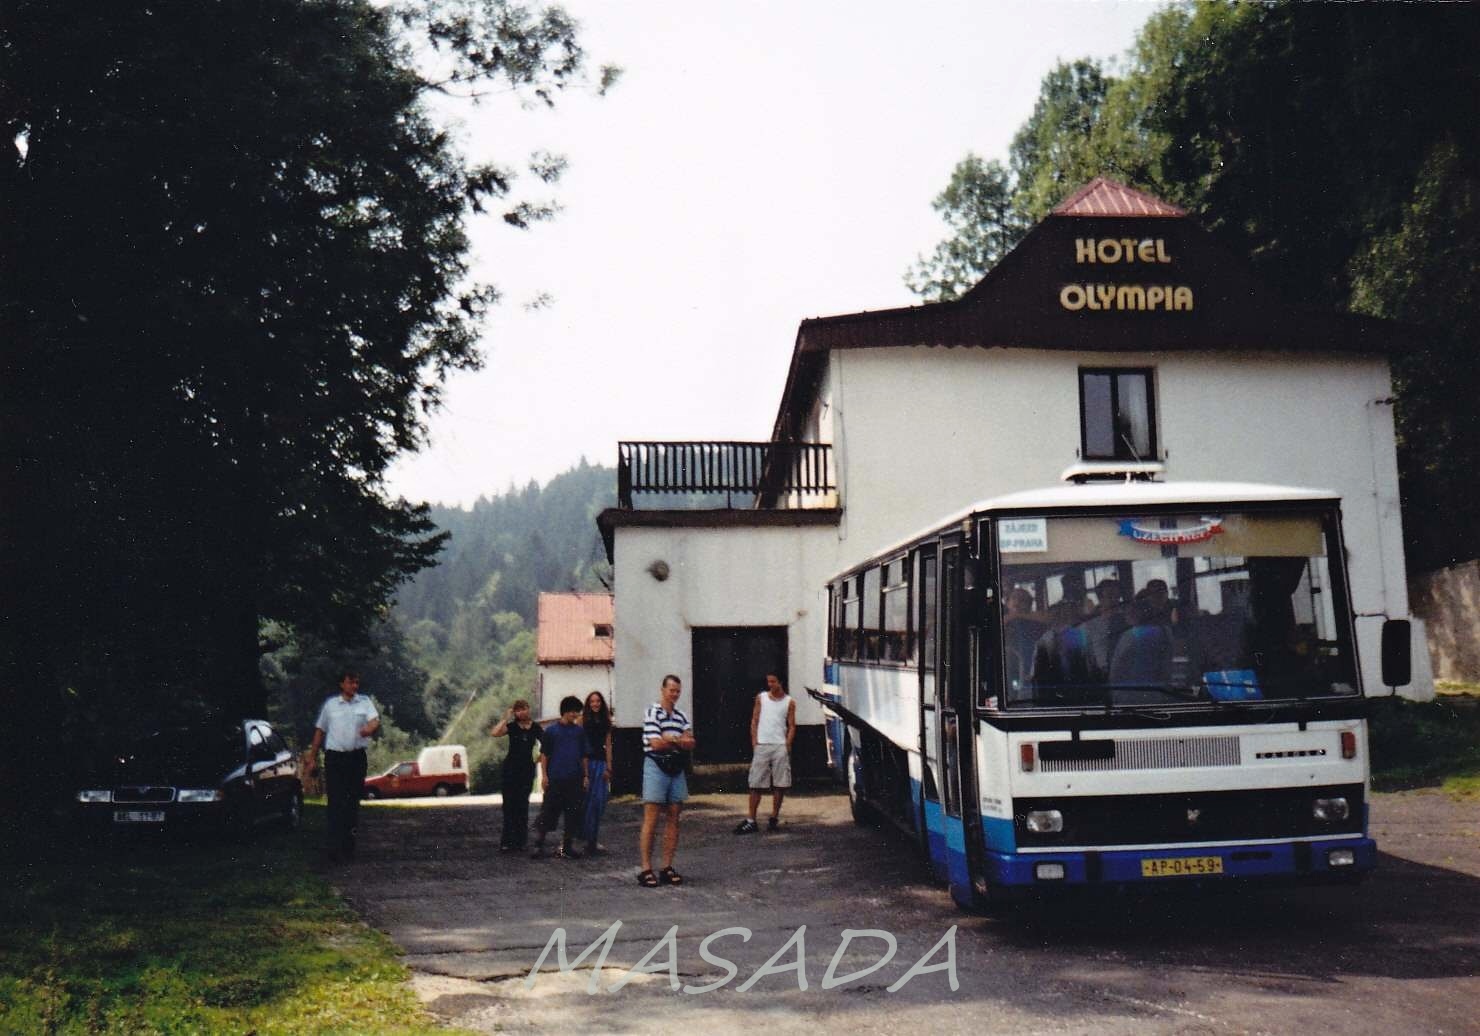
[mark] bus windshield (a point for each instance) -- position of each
(1213, 606)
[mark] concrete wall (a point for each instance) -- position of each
(1449, 602)
(920, 433)
(717, 577)
(556, 681)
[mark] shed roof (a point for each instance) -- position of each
(567, 628)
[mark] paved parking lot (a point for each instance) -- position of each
(1398, 954)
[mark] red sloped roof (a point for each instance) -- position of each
(567, 628)
(1102, 197)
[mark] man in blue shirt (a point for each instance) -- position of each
(563, 778)
(343, 730)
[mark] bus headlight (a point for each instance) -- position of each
(95, 795)
(1341, 858)
(1045, 821)
(1327, 810)
(1049, 872)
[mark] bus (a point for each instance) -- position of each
(1110, 684)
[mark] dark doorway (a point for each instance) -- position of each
(730, 667)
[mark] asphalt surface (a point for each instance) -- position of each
(1398, 954)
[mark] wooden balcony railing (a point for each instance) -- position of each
(744, 474)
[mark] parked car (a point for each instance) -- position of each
(227, 778)
(440, 770)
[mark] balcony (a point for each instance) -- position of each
(725, 475)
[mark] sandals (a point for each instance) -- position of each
(666, 876)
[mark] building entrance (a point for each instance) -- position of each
(730, 667)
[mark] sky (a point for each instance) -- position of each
(759, 163)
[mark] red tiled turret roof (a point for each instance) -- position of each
(1102, 197)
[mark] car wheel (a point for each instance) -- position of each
(442, 791)
(293, 814)
(370, 793)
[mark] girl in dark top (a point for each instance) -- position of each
(525, 740)
(596, 719)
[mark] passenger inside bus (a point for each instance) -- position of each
(1185, 624)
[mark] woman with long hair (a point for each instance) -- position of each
(596, 719)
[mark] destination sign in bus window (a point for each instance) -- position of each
(1022, 535)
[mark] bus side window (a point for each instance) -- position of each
(896, 612)
(849, 634)
(873, 628)
(927, 612)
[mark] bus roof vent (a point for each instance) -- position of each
(1114, 471)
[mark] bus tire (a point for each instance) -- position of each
(862, 812)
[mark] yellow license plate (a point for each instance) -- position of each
(1181, 866)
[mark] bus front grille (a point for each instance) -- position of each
(1152, 754)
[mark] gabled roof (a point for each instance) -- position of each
(1020, 303)
(567, 629)
(1102, 197)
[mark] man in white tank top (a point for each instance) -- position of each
(773, 726)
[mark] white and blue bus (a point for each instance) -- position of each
(1106, 684)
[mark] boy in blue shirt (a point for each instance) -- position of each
(563, 778)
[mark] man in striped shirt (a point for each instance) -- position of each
(667, 737)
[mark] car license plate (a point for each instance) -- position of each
(138, 816)
(1181, 866)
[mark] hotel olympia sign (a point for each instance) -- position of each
(1155, 268)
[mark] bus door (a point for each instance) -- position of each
(956, 719)
(927, 624)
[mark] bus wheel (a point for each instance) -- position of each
(863, 813)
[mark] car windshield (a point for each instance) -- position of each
(1212, 606)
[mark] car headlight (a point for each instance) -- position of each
(1330, 809)
(95, 795)
(1045, 821)
(199, 795)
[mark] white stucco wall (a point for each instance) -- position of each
(919, 433)
(717, 577)
(556, 681)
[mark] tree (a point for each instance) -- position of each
(232, 282)
(1427, 271)
(977, 206)
(1052, 152)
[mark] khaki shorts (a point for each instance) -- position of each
(771, 767)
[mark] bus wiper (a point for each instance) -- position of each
(1182, 692)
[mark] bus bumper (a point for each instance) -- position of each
(1314, 861)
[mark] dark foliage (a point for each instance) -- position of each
(507, 548)
(231, 281)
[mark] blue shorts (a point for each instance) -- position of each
(659, 788)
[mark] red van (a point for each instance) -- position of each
(441, 770)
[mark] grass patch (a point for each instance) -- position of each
(146, 935)
(1426, 744)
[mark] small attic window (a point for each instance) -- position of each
(602, 631)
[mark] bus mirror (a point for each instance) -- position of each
(977, 591)
(971, 575)
(1397, 654)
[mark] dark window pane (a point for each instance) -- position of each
(1099, 416)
